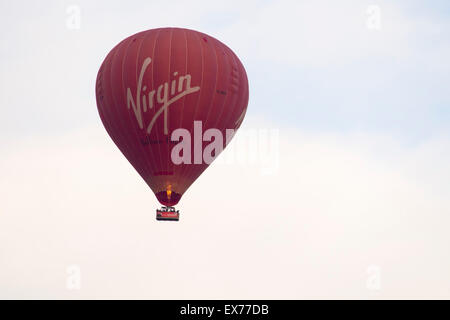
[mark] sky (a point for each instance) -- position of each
(346, 194)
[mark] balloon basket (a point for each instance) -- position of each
(167, 214)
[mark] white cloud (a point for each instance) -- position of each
(327, 33)
(338, 205)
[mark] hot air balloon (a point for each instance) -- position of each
(167, 97)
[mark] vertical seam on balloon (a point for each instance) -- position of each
(121, 125)
(169, 160)
(224, 105)
(232, 103)
(244, 96)
(236, 101)
(136, 135)
(182, 108)
(185, 71)
(215, 87)
(186, 171)
(156, 131)
(153, 155)
(228, 93)
(111, 89)
(117, 111)
(104, 115)
(190, 175)
(114, 124)
(145, 153)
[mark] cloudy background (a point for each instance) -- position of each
(347, 194)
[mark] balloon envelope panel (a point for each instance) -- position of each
(160, 80)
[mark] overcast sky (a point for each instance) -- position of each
(350, 199)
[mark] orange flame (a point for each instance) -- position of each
(169, 191)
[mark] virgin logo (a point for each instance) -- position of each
(143, 100)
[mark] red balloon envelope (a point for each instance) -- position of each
(161, 80)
